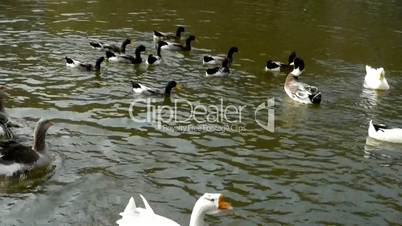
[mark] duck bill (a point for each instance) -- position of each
(179, 87)
(223, 205)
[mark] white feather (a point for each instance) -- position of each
(393, 135)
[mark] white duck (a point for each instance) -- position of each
(375, 79)
(209, 203)
(383, 133)
(299, 91)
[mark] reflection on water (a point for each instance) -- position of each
(311, 171)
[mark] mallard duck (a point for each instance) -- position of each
(178, 46)
(223, 70)
(384, 133)
(218, 59)
(154, 60)
(16, 158)
(110, 56)
(159, 36)
(141, 89)
(113, 48)
(375, 79)
(276, 66)
(207, 204)
(84, 66)
(299, 91)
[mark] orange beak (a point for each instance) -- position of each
(222, 205)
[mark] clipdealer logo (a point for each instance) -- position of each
(184, 115)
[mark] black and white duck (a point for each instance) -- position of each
(16, 158)
(111, 47)
(276, 66)
(71, 63)
(223, 70)
(162, 36)
(142, 89)
(299, 91)
(154, 60)
(175, 46)
(112, 57)
(213, 60)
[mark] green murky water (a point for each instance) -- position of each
(315, 169)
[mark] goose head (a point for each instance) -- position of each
(40, 134)
(298, 67)
(209, 203)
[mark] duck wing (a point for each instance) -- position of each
(13, 152)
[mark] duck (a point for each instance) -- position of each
(207, 204)
(218, 59)
(375, 79)
(160, 36)
(154, 60)
(71, 63)
(178, 46)
(16, 158)
(384, 133)
(4, 115)
(298, 91)
(142, 89)
(223, 70)
(116, 49)
(110, 56)
(276, 66)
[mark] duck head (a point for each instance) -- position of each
(298, 67)
(190, 39)
(139, 49)
(232, 50)
(179, 30)
(291, 58)
(169, 86)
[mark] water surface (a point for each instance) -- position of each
(317, 168)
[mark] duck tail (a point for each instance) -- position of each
(69, 60)
(315, 98)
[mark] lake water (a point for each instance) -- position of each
(317, 168)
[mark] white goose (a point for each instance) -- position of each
(375, 79)
(209, 203)
(383, 133)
